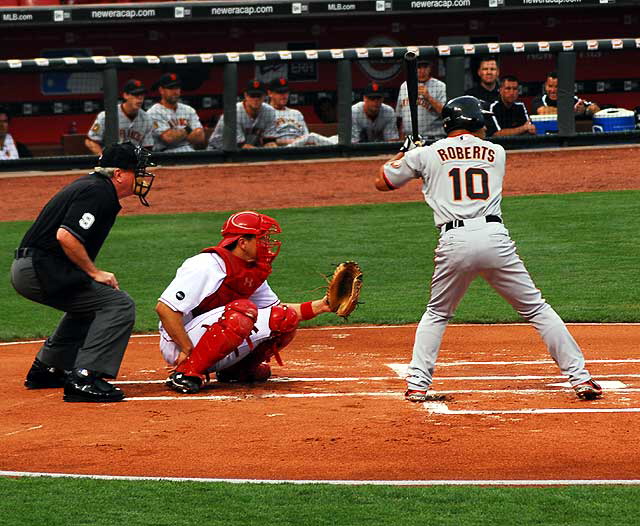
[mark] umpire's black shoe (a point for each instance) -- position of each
(41, 376)
(184, 384)
(85, 386)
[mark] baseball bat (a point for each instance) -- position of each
(411, 65)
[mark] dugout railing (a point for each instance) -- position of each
(453, 57)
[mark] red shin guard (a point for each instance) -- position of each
(283, 323)
(221, 338)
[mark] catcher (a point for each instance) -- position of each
(220, 315)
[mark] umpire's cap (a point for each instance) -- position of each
(120, 155)
(464, 113)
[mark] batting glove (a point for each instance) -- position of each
(410, 143)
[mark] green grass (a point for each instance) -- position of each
(581, 250)
(69, 502)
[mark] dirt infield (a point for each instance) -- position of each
(324, 183)
(335, 410)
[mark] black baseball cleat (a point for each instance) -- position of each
(41, 376)
(589, 390)
(85, 386)
(255, 374)
(184, 384)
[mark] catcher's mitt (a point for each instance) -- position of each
(344, 287)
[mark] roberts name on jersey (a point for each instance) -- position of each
(466, 153)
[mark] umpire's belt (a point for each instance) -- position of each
(457, 223)
(24, 253)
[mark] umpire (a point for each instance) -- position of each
(55, 266)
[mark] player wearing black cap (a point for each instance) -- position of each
(54, 266)
(133, 122)
(371, 119)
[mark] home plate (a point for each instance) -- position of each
(605, 384)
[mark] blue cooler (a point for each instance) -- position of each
(613, 120)
(545, 123)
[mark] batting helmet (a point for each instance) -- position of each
(253, 223)
(464, 113)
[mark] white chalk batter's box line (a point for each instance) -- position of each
(439, 408)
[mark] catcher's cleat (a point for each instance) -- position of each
(184, 384)
(414, 395)
(588, 390)
(256, 373)
(41, 376)
(85, 386)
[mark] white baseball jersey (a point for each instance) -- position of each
(165, 119)
(429, 121)
(461, 176)
(289, 124)
(382, 128)
(138, 130)
(249, 130)
(8, 150)
(198, 278)
(462, 182)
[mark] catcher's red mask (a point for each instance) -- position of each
(253, 223)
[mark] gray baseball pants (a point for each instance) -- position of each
(94, 332)
(485, 249)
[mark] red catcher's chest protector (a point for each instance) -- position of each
(241, 281)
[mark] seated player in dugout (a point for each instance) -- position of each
(510, 116)
(372, 120)
(219, 314)
(256, 120)
(547, 103)
(290, 126)
(134, 124)
(176, 126)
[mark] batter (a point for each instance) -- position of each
(462, 182)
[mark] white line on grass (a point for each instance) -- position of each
(503, 482)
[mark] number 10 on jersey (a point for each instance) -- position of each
(472, 176)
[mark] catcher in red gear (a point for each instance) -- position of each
(219, 313)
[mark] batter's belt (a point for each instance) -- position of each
(457, 223)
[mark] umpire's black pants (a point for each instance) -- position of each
(94, 332)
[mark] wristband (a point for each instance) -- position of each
(306, 311)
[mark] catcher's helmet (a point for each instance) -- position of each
(464, 113)
(129, 156)
(253, 223)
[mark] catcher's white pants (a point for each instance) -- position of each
(197, 327)
(485, 249)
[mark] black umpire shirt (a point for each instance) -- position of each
(504, 117)
(488, 96)
(87, 208)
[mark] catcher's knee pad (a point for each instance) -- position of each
(222, 337)
(283, 323)
(283, 320)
